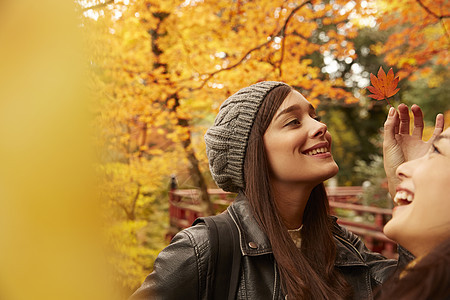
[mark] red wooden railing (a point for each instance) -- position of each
(184, 208)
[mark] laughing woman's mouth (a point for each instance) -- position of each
(403, 197)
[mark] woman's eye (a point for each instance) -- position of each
(317, 118)
(434, 149)
(293, 122)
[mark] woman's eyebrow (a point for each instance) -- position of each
(292, 108)
(288, 110)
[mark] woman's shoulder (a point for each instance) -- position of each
(353, 243)
(341, 233)
(196, 236)
(179, 271)
(344, 235)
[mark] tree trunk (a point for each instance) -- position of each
(197, 176)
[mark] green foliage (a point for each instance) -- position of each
(135, 207)
(431, 93)
(375, 188)
(344, 144)
(355, 127)
(355, 130)
(130, 262)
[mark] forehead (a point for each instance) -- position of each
(295, 98)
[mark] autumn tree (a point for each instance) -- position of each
(161, 69)
(419, 36)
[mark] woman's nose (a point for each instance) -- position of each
(400, 172)
(405, 169)
(320, 129)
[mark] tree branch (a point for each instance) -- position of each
(127, 213)
(283, 33)
(211, 75)
(243, 58)
(439, 17)
(133, 204)
(100, 5)
(445, 30)
(430, 12)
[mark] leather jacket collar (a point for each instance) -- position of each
(253, 241)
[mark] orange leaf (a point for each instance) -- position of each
(390, 85)
(376, 89)
(384, 86)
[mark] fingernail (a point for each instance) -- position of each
(391, 111)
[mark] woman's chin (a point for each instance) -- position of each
(388, 232)
(394, 231)
(333, 172)
(328, 176)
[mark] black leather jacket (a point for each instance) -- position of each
(179, 271)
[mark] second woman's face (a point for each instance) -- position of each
(421, 219)
(298, 144)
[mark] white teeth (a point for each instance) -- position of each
(403, 196)
(316, 151)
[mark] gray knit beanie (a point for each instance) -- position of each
(226, 141)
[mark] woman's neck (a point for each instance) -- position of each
(291, 202)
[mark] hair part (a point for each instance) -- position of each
(305, 274)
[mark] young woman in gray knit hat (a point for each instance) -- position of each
(268, 145)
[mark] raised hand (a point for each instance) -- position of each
(400, 145)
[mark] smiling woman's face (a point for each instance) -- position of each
(422, 218)
(298, 145)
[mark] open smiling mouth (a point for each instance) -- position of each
(403, 197)
(316, 151)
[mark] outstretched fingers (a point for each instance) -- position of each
(403, 112)
(391, 125)
(418, 121)
(438, 127)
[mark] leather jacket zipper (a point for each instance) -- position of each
(348, 243)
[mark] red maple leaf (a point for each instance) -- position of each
(384, 86)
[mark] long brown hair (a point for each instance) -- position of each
(428, 278)
(305, 274)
